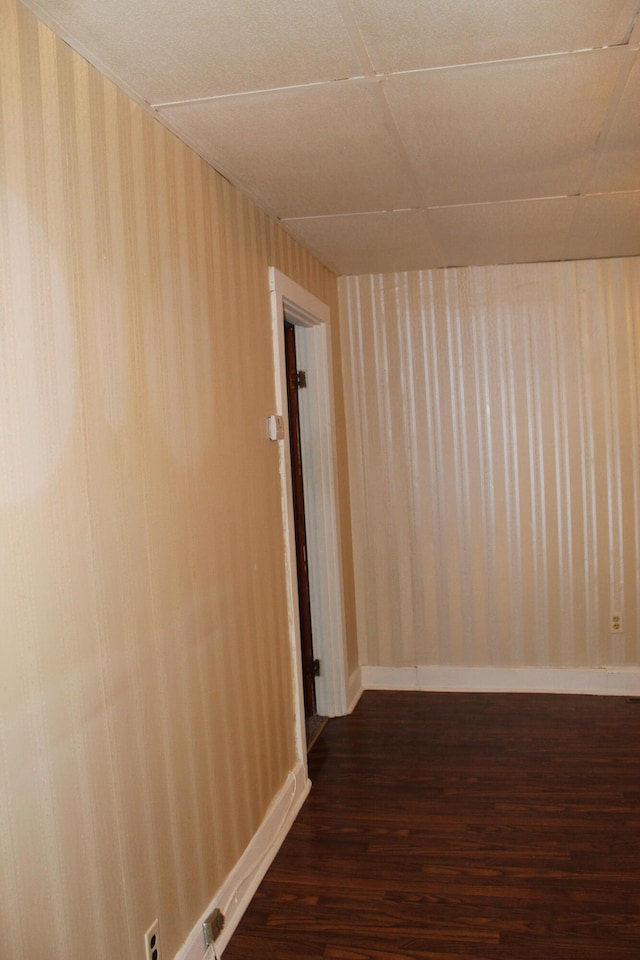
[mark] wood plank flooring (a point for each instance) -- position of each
(450, 826)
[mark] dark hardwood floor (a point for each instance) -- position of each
(501, 827)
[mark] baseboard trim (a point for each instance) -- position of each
(603, 681)
(236, 893)
(389, 678)
(354, 691)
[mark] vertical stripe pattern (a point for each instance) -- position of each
(146, 711)
(493, 419)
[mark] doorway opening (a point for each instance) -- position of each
(309, 318)
(296, 381)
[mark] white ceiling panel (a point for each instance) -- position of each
(198, 48)
(522, 231)
(370, 243)
(605, 226)
(316, 150)
(413, 34)
(504, 131)
(397, 134)
(618, 167)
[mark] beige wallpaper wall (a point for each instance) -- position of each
(494, 417)
(145, 691)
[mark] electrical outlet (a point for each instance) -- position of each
(617, 624)
(152, 943)
(212, 927)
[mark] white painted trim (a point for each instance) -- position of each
(389, 678)
(317, 419)
(355, 690)
(605, 680)
(235, 894)
(317, 422)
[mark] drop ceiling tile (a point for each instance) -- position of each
(370, 243)
(606, 226)
(314, 150)
(503, 131)
(168, 51)
(523, 231)
(412, 34)
(619, 164)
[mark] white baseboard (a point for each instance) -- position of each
(389, 678)
(355, 688)
(606, 681)
(235, 894)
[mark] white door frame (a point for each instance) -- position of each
(317, 422)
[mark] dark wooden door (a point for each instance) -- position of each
(293, 385)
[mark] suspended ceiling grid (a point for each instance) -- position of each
(390, 135)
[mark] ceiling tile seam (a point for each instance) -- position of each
(456, 206)
(565, 244)
(611, 193)
(389, 121)
(555, 196)
(633, 24)
(613, 104)
(499, 203)
(379, 76)
(355, 36)
(351, 213)
(569, 237)
(161, 105)
(503, 60)
(390, 125)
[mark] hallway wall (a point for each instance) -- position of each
(494, 424)
(146, 706)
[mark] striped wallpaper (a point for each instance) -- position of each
(494, 423)
(145, 678)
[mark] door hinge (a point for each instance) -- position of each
(299, 379)
(316, 668)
